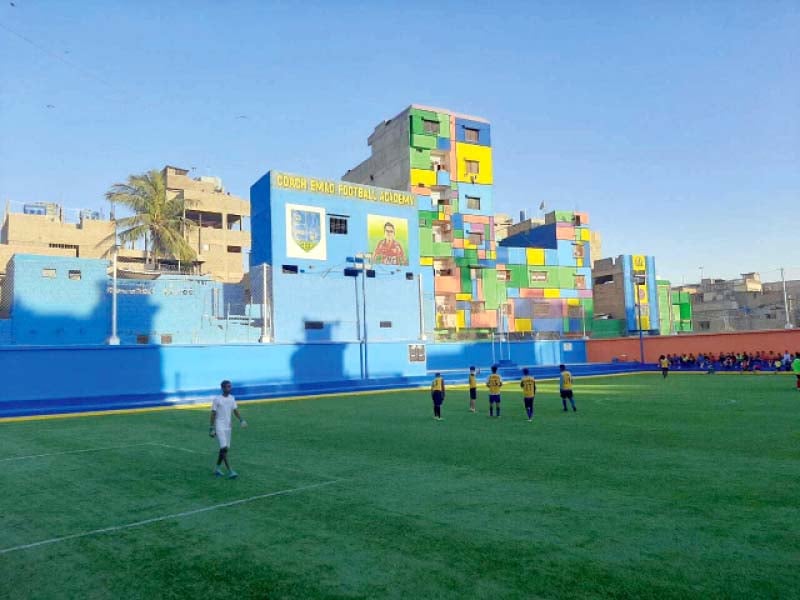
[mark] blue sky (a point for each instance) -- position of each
(675, 125)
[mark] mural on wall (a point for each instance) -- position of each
(305, 232)
(387, 238)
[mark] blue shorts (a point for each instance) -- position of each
(528, 402)
(438, 398)
(494, 398)
(566, 394)
(473, 393)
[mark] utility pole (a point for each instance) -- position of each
(113, 339)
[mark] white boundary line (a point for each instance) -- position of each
(166, 517)
(176, 448)
(29, 456)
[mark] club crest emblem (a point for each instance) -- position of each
(306, 229)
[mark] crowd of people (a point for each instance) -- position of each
(730, 361)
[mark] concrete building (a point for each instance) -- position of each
(742, 304)
(473, 287)
(218, 231)
(626, 290)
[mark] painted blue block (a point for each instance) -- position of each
(463, 304)
(523, 308)
(443, 143)
(548, 324)
(566, 293)
(458, 221)
(484, 132)
(442, 177)
(517, 256)
(486, 262)
(502, 255)
(550, 257)
(458, 252)
(475, 190)
(512, 292)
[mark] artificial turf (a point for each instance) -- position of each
(684, 488)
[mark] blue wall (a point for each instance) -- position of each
(443, 357)
(85, 378)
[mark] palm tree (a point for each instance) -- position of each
(158, 219)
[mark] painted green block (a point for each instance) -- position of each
(564, 216)
(430, 215)
(454, 205)
(463, 262)
(420, 159)
(425, 241)
(442, 249)
(487, 233)
(453, 185)
(490, 287)
(420, 140)
(686, 312)
(423, 114)
(466, 279)
(552, 280)
(458, 234)
(519, 276)
(444, 125)
(471, 254)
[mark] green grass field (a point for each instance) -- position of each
(684, 488)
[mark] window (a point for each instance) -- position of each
(578, 250)
(477, 306)
(166, 338)
(503, 275)
(431, 127)
(416, 353)
(386, 324)
(476, 238)
(580, 282)
(338, 225)
(705, 325)
(409, 275)
(142, 339)
(314, 325)
(473, 203)
(537, 275)
(289, 269)
(235, 249)
(471, 135)
(603, 279)
(74, 275)
(443, 272)
(49, 273)
(576, 220)
(473, 167)
(75, 249)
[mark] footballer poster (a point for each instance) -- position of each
(387, 238)
(305, 232)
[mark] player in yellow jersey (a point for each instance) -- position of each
(664, 364)
(473, 389)
(565, 387)
(528, 385)
(437, 394)
(494, 383)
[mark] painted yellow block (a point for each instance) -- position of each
(426, 177)
(573, 302)
(586, 235)
(480, 154)
(466, 297)
(441, 216)
(523, 325)
(552, 293)
(461, 320)
(469, 245)
(578, 262)
(492, 255)
(426, 261)
(645, 322)
(535, 256)
(642, 293)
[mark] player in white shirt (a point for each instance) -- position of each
(221, 409)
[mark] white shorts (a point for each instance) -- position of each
(223, 437)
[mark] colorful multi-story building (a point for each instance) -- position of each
(473, 285)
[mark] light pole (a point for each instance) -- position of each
(113, 339)
(701, 274)
(788, 324)
(637, 301)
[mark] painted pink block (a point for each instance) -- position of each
(484, 319)
(584, 293)
(565, 232)
(531, 293)
(481, 254)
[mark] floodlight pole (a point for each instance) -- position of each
(113, 339)
(639, 318)
(785, 302)
(265, 336)
(364, 266)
